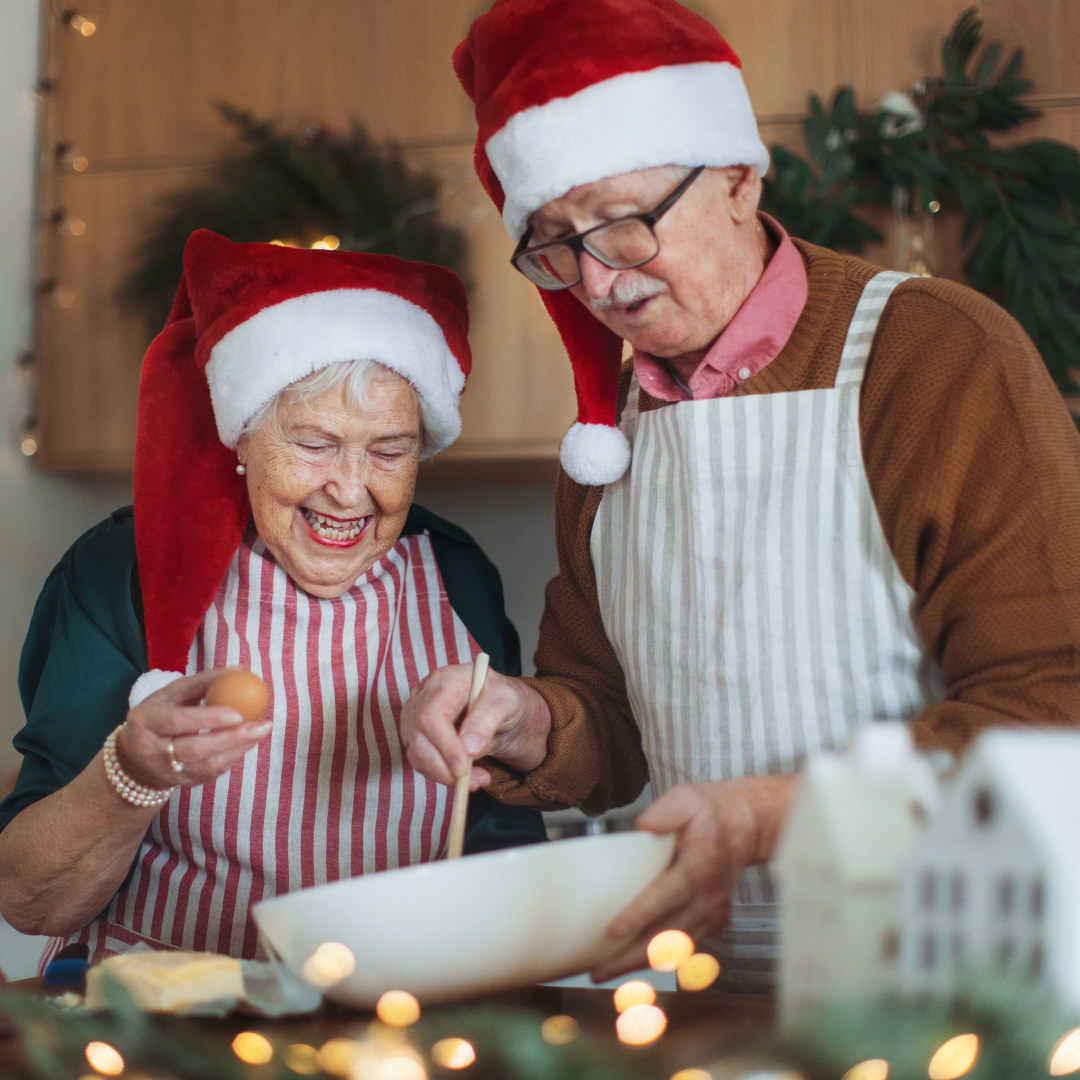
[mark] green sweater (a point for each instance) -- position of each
(86, 647)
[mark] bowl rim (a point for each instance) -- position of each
(531, 852)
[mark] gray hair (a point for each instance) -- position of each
(354, 375)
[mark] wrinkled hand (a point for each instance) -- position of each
(206, 741)
(720, 829)
(510, 722)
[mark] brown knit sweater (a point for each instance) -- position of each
(974, 465)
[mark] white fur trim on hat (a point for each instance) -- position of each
(680, 114)
(150, 682)
(594, 454)
(256, 360)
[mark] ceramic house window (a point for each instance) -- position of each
(956, 948)
(984, 806)
(1004, 952)
(929, 888)
(956, 891)
(890, 945)
(1035, 961)
(1005, 893)
(929, 951)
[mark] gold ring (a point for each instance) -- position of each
(177, 766)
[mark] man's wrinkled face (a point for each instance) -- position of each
(711, 254)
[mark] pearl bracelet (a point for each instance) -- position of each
(125, 787)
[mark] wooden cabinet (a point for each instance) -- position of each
(129, 117)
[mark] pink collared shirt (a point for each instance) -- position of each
(751, 340)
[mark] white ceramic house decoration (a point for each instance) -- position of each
(838, 868)
(994, 881)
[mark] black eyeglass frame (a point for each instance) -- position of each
(578, 242)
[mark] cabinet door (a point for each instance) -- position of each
(129, 117)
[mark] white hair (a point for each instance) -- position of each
(354, 375)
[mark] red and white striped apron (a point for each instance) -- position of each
(330, 794)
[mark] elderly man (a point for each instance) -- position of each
(819, 495)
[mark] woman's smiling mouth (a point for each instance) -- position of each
(334, 532)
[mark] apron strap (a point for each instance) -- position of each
(860, 335)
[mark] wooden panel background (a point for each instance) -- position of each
(135, 99)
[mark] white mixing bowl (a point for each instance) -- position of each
(446, 930)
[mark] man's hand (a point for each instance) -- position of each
(510, 721)
(720, 829)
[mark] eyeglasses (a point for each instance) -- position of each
(620, 245)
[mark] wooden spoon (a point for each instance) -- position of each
(461, 785)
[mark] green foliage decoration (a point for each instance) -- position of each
(296, 188)
(507, 1041)
(1021, 204)
(1018, 1024)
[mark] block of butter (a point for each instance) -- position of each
(168, 981)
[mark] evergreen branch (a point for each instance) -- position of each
(296, 188)
(1021, 204)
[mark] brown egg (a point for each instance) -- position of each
(243, 691)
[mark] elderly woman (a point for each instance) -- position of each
(283, 412)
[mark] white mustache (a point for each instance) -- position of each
(629, 290)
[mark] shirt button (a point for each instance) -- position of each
(744, 373)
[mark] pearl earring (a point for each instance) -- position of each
(241, 469)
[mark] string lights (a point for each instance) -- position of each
(79, 23)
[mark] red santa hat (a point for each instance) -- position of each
(248, 321)
(568, 92)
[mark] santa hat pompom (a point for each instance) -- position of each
(150, 682)
(594, 454)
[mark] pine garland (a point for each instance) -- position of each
(1021, 204)
(508, 1043)
(1018, 1025)
(297, 188)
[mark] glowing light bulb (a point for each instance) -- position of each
(329, 964)
(302, 1059)
(692, 1074)
(669, 950)
(80, 163)
(933, 206)
(75, 227)
(559, 1030)
(83, 26)
(872, 1069)
(104, 1059)
(401, 1068)
(252, 1048)
(700, 971)
(277, 243)
(28, 447)
(331, 241)
(398, 1008)
(1065, 1057)
(320, 245)
(640, 1024)
(453, 1053)
(954, 1058)
(635, 992)
(337, 1056)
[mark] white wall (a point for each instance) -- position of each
(516, 528)
(41, 514)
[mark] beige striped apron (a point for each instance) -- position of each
(751, 597)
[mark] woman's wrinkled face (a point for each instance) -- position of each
(330, 487)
